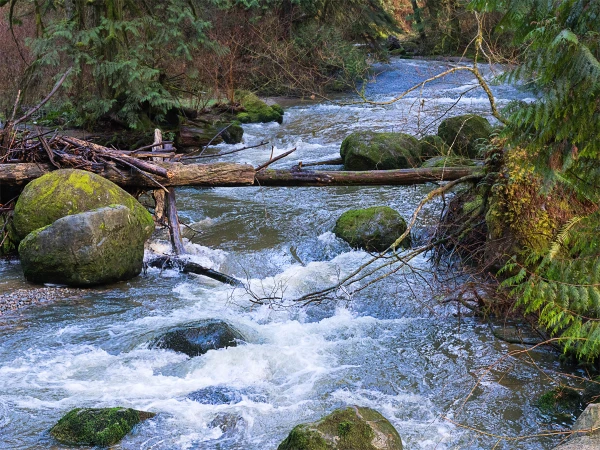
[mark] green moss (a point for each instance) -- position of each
(303, 438)
(560, 402)
(367, 150)
(102, 427)
(448, 161)
(257, 111)
(431, 146)
(70, 191)
(465, 134)
(374, 228)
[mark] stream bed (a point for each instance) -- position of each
(391, 347)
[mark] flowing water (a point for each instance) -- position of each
(391, 347)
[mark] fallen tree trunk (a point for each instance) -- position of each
(186, 266)
(178, 174)
(276, 177)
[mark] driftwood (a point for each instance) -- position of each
(186, 266)
(277, 177)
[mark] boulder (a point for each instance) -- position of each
(197, 339)
(198, 133)
(431, 146)
(373, 229)
(101, 427)
(368, 150)
(353, 428)
(561, 403)
(465, 134)
(257, 111)
(587, 431)
(95, 247)
(71, 191)
(448, 161)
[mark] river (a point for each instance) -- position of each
(392, 347)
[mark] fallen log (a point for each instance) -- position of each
(186, 266)
(178, 174)
(278, 177)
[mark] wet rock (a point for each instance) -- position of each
(432, 146)
(560, 403)
(350, 428)
(465, 134)
(368, 150)
(230, 424)
(448, 161)
(87, 249)
(102, 427)
(257, 111)
(197, 339)
(587, 431)
(216, 395)
(71, 191)
(373, 229)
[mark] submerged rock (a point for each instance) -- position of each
(197, 339)
(368, 150)
(71, 191)
(560, 403)
(95, 247)
(229, 424)
(353, 428)
(465, 134)
(373, 229)
(216, 395)
(448, 161)
(102, 427)
(257, 111)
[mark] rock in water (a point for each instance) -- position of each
(373, 229)
(197, 339)
(95, 247)
(353, 428)
(102, 427)
(368, 150)
(71, 191)
(257, 111)
(465, 134)
(216, 395)
(586, 431)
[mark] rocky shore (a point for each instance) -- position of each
(22, 298)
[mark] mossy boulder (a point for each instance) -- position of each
(373, 229)
(199, 338)
(369, 150)
(465, 134)
(97, 426)
(448, 161)
(102, 246)
(431, 146)
(352, 428)
(560, 403)
(71, 191)
(201, 132)
(257, 111)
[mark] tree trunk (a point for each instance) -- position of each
(418, 20)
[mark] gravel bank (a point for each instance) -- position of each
(22, 298)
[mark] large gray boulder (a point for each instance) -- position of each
(373, 229)
(353, 428)
(97, 426)
(465, 134)
(95, 247)
(368, 150)
(71, 191)
(586, 431)
(199, 338)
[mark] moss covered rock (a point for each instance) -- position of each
(352, 428)
(465, 134)
(432, 146)
(373, 229)
(71, 191)
(448, 161)
(197, 339)
(257, 111)
(560, 403)
(91, 248)
(368, 150)
(102, 427)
